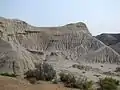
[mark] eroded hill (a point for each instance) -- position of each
(112, 40)
(23, 45)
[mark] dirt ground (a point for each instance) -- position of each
(8, 83)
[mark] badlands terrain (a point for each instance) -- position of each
(22, 46)
(112, 40)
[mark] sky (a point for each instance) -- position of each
(100, 16)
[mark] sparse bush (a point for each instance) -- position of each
(82, 67)
(32, 80)
(108, 73)
(117, 69)
(75, 65)
(83, 72)
(43, 72)
(69, 81)
(30, 74)
(97, 75)
(8, 74)
(83, 84)
(108, 84)
(55, 80)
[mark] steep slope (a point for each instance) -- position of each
(59, 46)
(112, 40)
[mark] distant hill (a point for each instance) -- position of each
(112, 40)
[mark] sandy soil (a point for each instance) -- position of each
(7, 83)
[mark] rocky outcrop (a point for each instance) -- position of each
(22, 46)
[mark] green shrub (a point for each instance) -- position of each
(30, 74)
(83, 84)
(32, 80)
(69, 81)
(8, 74)
(55, 80)
(43, 72)
(108, 84)
(81, 67)
(117, 69)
